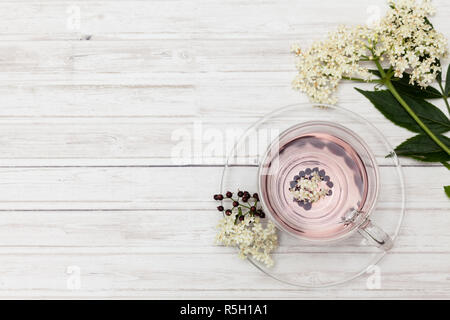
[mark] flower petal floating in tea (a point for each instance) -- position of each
(309, 187)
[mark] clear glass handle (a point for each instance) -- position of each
(375, 235)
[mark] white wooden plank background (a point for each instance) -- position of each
(86, 173)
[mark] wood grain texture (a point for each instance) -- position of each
(87, 124)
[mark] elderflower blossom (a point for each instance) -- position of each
(410, 42)
(309, 189)
(250, 236)
(322, 66)
(404, 36)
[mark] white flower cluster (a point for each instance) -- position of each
(249, 236)
(322, 67)
(410, 42)
(404, 36)
(309, 190)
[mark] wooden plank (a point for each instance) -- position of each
(168, 188)
(156, 231)
(29, 20)
(61, 141)
(42, 275)
(110, 141)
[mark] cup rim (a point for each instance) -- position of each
(369, 209)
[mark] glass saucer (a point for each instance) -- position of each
(299, 262)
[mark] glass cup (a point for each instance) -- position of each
(348, 171)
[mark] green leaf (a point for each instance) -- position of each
(404, 87)
(447, 82)
(441, 157)
(376, 72)
(430, 115)
(422, 148)
(447, 190)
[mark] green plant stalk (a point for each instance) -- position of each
(361, 80)
(387, 82)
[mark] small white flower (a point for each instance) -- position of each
(249, 236)
(310, 190)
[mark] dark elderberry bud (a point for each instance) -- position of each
(229, 194)
(216, 197)
(252, 209)
(246, 194)
(240, 194)
(220, 208)
(235, 203)
(228, 212)
(241, 218)
(255, 196)
(308, 171)
(219, 197)
(262, 215)
(244, 199)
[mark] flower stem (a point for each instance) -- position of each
(242, 205)
(361, 80)
(380, 69)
